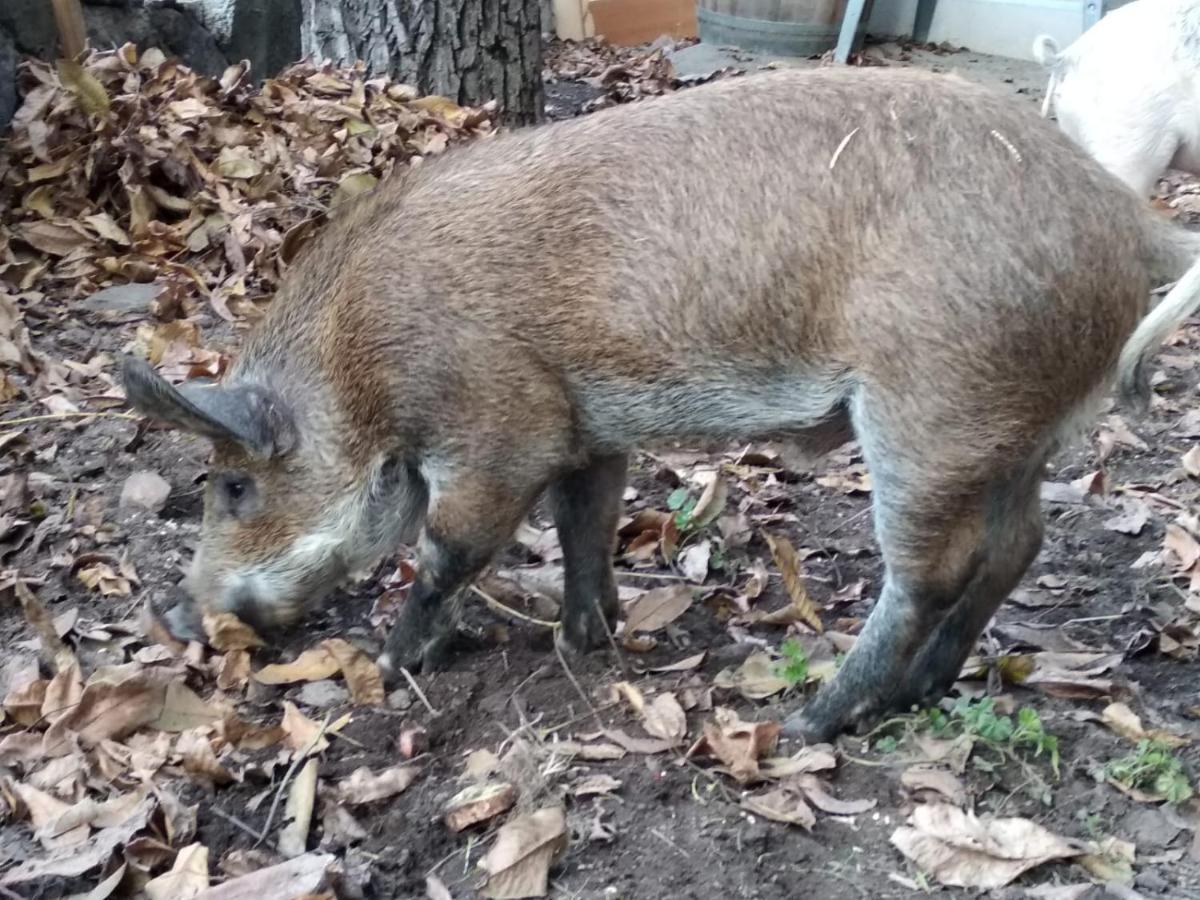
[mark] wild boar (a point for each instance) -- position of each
(903, 257)
(1128, 90)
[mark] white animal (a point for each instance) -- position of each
(1128, 90)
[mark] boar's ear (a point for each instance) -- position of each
(250, 416)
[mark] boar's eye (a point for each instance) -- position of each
(236, 492)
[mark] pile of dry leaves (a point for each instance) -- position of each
(622, 74)
(130, 168)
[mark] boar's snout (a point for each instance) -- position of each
(275, 528)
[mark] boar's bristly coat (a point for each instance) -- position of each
(904, 257)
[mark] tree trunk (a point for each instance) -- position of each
(471, 51)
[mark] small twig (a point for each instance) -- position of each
(712, 779)
(97, 414)
(1092, 619)
(287, 777)
(1003, 803)
(661, 576)
(883, 763)
(237, 823)
(578, 687)
(338, 736)
(445, 859)
(509, 611)
(546, 732)
(670, 843)
(886, 723)
(840, 147)
(612, 641)
(854, 518)
(412, 683)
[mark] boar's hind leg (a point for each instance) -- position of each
(955, 538)
(1014, 536)
(586, 506)
(470, 518)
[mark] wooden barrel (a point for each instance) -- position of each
(781, 27)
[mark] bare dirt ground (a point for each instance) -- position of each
(1106, 616)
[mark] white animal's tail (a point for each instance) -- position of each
(1045, 51)
(1176, 253)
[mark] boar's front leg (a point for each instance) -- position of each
(586, 505)
(470, 518)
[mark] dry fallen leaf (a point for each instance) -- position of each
(684, 665)
(648, 746)
(186, 879)
(78, 859)
(45, 813)
(781, 804)
(664, 718)
(311, 665)
(360, 671)
(1191, 461)
(115, 702)
(55, 652)
(813, 758)
(927, 778)
(234, 670)
(657, 608)
(593, 785)
(103, 578)
(961, 850)
(810, 786)
(593, 752)
(435, 888)
(182, 709)
(755, 679)
(1185, 547)
(301, 732)
(294, 879)
(478, 803)
(1110, 861)
(24, 704)
(298, 811)
(197, 756)
(737, 744)
(365, 786)
(1125, 722)
(518, 864)
(693, 561)
(227, 632)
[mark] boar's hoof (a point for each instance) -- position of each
(812, 730)
(426, 656)
(581, 633)
(183, 620)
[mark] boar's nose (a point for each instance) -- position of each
(247, 606)
(182, 616)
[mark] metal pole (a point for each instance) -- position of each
(854, 11)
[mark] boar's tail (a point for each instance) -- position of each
(1045, 51)
(1175, 253)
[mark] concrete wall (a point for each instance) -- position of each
(1001, 27)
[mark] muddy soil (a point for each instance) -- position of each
(672, 829)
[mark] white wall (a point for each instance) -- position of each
(1000, 27)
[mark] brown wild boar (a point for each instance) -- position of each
(904, 257)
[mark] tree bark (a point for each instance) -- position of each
(471, 51)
